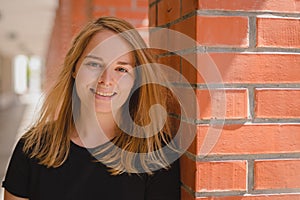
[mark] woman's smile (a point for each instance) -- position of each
(103, 95)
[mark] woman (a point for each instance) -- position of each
(97, 136)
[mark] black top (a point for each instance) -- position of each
(79, 178)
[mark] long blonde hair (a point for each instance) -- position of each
(49, 138)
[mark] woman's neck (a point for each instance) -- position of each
(107, 124)
(94, 129)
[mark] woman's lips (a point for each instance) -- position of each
(103, 95)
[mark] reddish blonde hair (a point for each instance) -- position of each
(49, 138)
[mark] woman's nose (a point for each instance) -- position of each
(105, 78)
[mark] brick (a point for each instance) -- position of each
(189, 68)
(184, 36)
(173, 62)
(278, 32)
(276, 174)
(247, 139)
(229, 104)
(222, 31)
(277, 103)
(187, 27)
(254, 67)
(186, 132)
(213, 176)
(152, 16)
(292, 6)
(114, 3)
(188, 6)
(168, 11)
(220, 176)
(188, 172)
(159, 40)
(185, 195)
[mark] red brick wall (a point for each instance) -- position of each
(256, 47)
(71, 15)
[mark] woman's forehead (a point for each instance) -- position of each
(109, 45)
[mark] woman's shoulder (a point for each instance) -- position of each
(28, 141)
(19, 148)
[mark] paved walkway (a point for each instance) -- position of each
(13, 122)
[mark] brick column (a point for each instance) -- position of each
(59, 42)
(255, 46)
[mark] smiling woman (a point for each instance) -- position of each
(84, 145)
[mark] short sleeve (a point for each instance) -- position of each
(16, 179)
(164, 184)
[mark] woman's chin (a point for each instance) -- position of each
(103, 110)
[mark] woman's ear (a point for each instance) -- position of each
(74, 75)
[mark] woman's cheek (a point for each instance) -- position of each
(125, 87)
(83, 82)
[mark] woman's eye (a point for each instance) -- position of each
(122, 69)
(93, 64)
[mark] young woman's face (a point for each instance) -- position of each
(104, 73)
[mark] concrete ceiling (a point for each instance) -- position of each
(25, 26)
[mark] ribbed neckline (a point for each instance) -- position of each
(90, 149)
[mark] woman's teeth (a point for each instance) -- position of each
(105, 94)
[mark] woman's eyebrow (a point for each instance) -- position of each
(100, 59)
(94, 57)
(123, 63)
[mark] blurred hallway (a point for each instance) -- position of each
(25, 30)
(13, 122)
